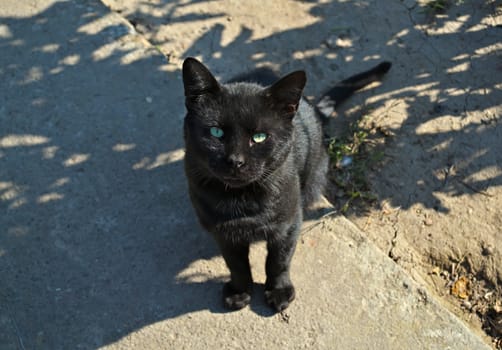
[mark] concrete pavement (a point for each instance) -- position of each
(99, 246)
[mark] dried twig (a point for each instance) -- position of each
(484, 193)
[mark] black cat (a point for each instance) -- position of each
(255, 158)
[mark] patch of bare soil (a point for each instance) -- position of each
(462, 272)
(424, 177)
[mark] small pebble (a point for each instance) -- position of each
(342, 40)
(488, 295)
(436, 271)
(346, 161)
(487, 250)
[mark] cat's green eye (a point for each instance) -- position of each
(259, 137)
(216, 132)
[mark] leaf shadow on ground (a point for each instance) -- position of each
(94, 229)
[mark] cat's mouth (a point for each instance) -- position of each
(235, 182)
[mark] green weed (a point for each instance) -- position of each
(437, 5)
(440, 6)
(352, 157)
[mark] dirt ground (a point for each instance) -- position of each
(435, 121)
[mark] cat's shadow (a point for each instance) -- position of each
(200, 290)
(194, 280)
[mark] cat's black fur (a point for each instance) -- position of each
(244, 191)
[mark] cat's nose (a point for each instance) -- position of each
(236, 160)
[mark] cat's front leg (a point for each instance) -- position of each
(237, 292)
(279, 290)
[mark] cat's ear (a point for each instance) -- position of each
(285, 94)
(197, 79)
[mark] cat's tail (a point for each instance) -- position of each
(344, 89)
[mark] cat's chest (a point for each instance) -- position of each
(233, 211)
(229, 205)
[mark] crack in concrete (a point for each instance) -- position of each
(393, 241)
(13, 323)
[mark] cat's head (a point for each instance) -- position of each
(238, 133)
